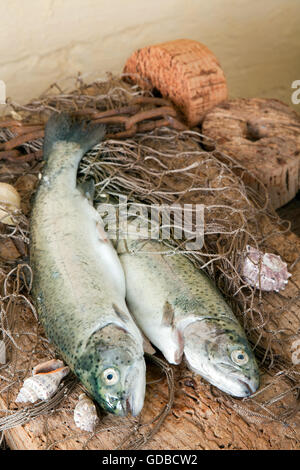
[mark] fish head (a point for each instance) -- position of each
(112, 368)
(218, 350)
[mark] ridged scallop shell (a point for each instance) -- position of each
(10, 199)
(265, 271)
(85, 414)
(41, 386)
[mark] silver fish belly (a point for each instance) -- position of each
(79, 285)
(182, 313)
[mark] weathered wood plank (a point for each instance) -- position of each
(201, 418)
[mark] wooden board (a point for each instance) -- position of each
(201, 418)
(291, 212)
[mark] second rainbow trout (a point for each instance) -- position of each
(182, 313)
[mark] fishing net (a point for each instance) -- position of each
(153, 159)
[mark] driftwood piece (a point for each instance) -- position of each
(199, 419)
(184, 71)
(264, 136)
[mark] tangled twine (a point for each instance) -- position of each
(154, 165)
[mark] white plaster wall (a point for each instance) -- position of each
(42, 41)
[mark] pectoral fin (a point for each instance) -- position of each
(101, 232)
(168, 315)
(147, 346)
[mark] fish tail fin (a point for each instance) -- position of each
(66, 128)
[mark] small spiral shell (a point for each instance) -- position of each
(85, 414)
(265, 271)
(42, 385)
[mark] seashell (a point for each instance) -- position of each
(47, 366)
(85, 414)
(41, 386)
(10, 198)
(265, 271)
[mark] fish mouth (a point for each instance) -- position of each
(120, 407)
(135, 402)
(112, 404)
(126, 407)
(249, 387)
(137, 379)
(237, 384)
(239, 388)
(129, 407)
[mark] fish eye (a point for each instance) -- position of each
(110, 376)
(240, 357)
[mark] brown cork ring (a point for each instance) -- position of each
(184, 71)
(263, 135)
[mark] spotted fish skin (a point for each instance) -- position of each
(79, 285)
(182, 313)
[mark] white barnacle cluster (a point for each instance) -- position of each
(266, 271)
(43, 383)
(85, 414)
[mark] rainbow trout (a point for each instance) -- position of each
(182, 313)
(79, 284)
